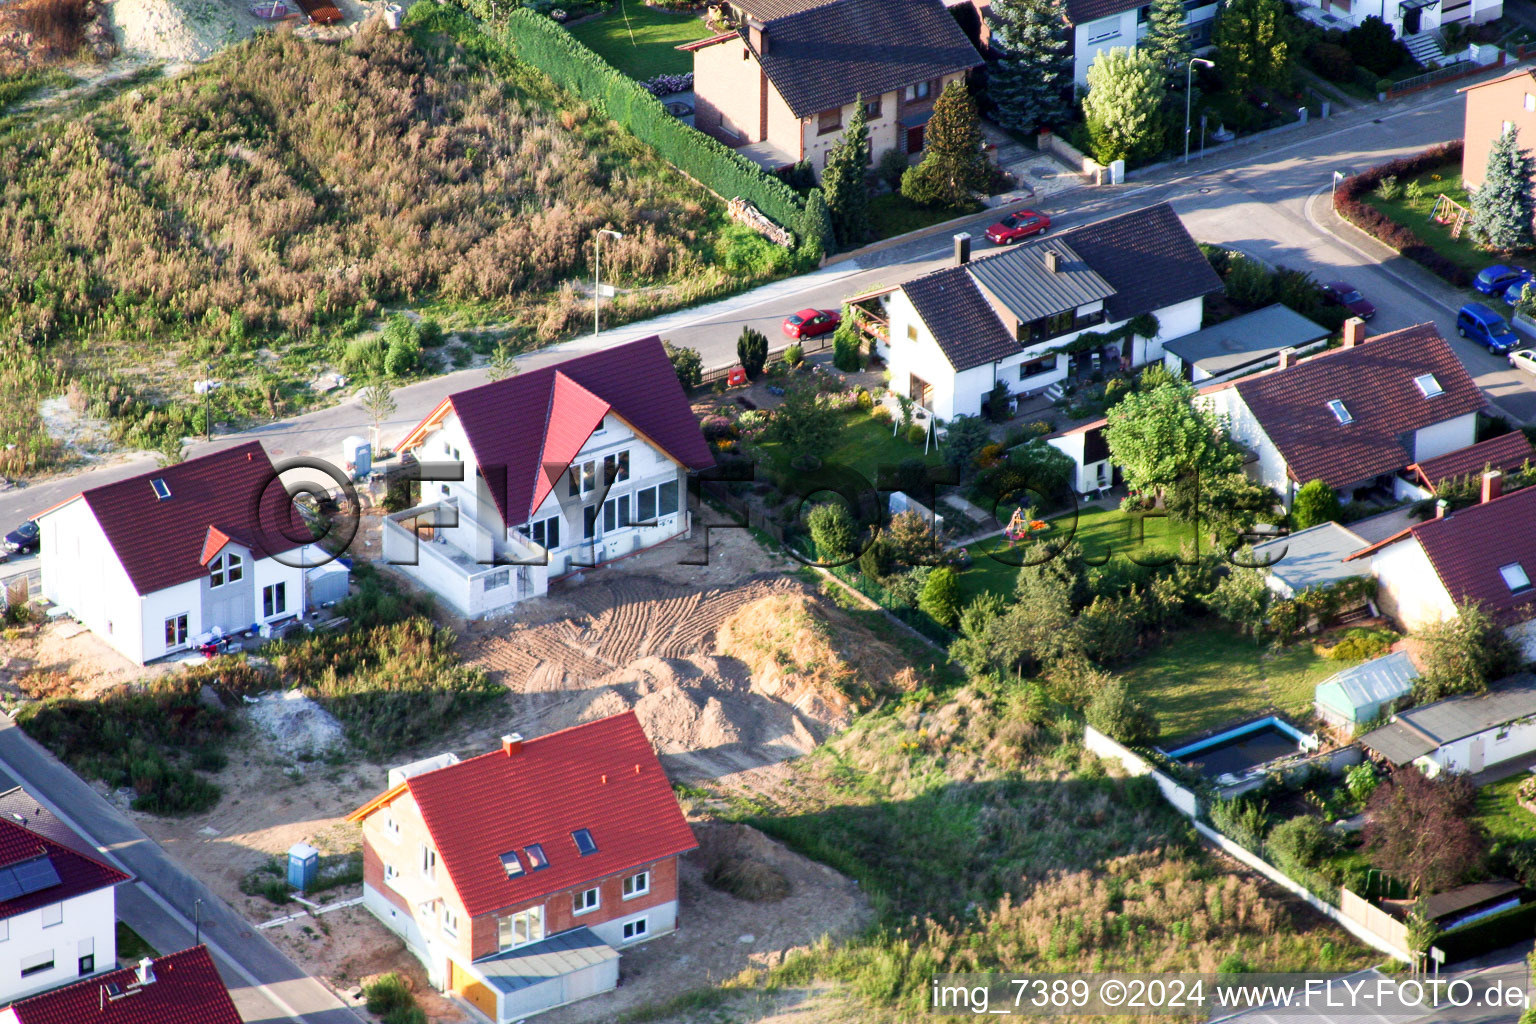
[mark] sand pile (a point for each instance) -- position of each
(176, 30)
(296, 724)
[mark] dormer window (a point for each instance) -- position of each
(227, 568)
(585, 844)
(1515, 577)
(1339, 412)
(162, 490)
(536, 857)
(1429, 387)
(511, 864)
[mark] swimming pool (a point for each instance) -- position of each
(1243, 747)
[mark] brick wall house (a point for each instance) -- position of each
(785, 81)
(518, 876)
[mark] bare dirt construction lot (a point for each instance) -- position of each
(732, 670)
(40, 658)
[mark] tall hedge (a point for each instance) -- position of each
(537, 39)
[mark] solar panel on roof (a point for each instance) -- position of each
(10, 888)
(35, 875)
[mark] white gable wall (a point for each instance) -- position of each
(87, 927)
(1444, 437)
(1409, 590)
(1244, 428)
(82, 573)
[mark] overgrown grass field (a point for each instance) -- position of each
(642, 41)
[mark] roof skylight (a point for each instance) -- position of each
(536, 858)
(585, 844)
(1515, 577)
(1340, 413)
(162, 491)
(513, 866)
(1428, 385)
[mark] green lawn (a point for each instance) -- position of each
(642, 41)
(131, 948)
(1206, 676)
(1414, 213)
(1500, 815)
(864, 445)
(1102, 533)
(892, 213)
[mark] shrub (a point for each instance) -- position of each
(1360, 644)
(1115, 713)
(1332, 61)
(1414, 190)
(752, 350)
(1298, 845)
(717, 428)
(1462, 654)
(1241, 820)
(1315, 503)
(845, 347)
(875, 562)
(940, 597)
(1375, 46)
(833, 531)
(390, 997)
(917, 433)
(1249, 282)
(1388, 188)
(794, 355)
(687, 363)
(1109, 629)
(1361, 781)
(890, 168)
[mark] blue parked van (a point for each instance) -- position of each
(1484, 326)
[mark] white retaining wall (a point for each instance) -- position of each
(1185, 802)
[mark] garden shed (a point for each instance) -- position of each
(1365, 692)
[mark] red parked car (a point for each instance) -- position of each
(1018, 226)
(808, 323)
(1344, 294)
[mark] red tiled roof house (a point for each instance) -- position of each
(180, 988)
(152, 562)
(58, 912)
(518, 875)
(546, 473)
(1355, 417)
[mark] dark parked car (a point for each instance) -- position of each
(1493, 280)
(1344, 294)
(1484, 326)
(808, 323)
(1018, 226)
(21, 541)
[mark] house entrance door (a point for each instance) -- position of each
(919, 390)
(915, 139)
(1412, 21)
(1475, 755)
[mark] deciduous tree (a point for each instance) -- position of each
(1157, 435)
(1124, 105)
(1423, 830)
(1252, 45)
(1031, 78)
(686, 363)
(1503, 206)
(1462, 654)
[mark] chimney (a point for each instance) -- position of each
(146, 971)
(757, 39)
(1053, 261)
(1354, 332)
(962, 249)
(1493, 484)
(512, 744)
(1442, 508)
(1286, 355)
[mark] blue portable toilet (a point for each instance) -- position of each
(357, 457)
(303, 865)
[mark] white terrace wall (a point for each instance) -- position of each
(1356, 922)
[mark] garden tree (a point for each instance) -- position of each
(912, 540)
(1167, 41)
(1035, 630)
(1503, 207)
(940, 598)
(953, 168)
(1252, 45)
(833, 531)
(1224, 504)
(1315, 503)
(378, 401)
(1375, 47)
(1031, 474)
(816, 235)
(1124, 105)
(875, 562)
(968, 435)
(752, 350)
(1422, 830)
(1462, 654)
(1157, 435)
(845, 183)
(1030, 80)
(687, 363)
(1109, 629)
(1242, 597)
(802, 423)
(846, 344)
(1115, 713)
(502, 364)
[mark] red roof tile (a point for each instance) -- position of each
(1468, 548)
(1507, 451)
(161, 541)
(601, 776)
(1374, 380)
(186, 990)
(78, 874)
(516, 425)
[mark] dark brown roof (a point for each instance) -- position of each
(962, 321)
(1080, 12)
(1468, 548)
(767, 10)
(1146, 255)
(1507, 451)
(1375, 382)
(824, 57)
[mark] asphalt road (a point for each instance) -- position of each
(162, 901)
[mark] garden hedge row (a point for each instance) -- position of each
(1348, 200)
(1490, 933)
(543, 43)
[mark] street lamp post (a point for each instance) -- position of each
(1189, 90)
(597, 280)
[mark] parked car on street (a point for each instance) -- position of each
(21, 541)
(1342, 293)
(1523, 359)
(1484, 326)
(1493, 280)
(808, 323)
(1018, 226)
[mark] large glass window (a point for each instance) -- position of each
(666, 499)
(521, 928)
(176, 630)
(227, 568)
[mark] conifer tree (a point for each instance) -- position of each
(954, 168)
(1502, 206)
(1167, 40)
(1031, 79)
(845, 184)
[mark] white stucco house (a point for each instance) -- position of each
(955, 332)
(547, 473)
(1099, 25)
(58, 912)
(1416, 22)
(1356, 417)
(1467, 733)
(151, 563)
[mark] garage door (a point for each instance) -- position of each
(462, 983)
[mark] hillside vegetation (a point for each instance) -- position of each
(246, 219)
